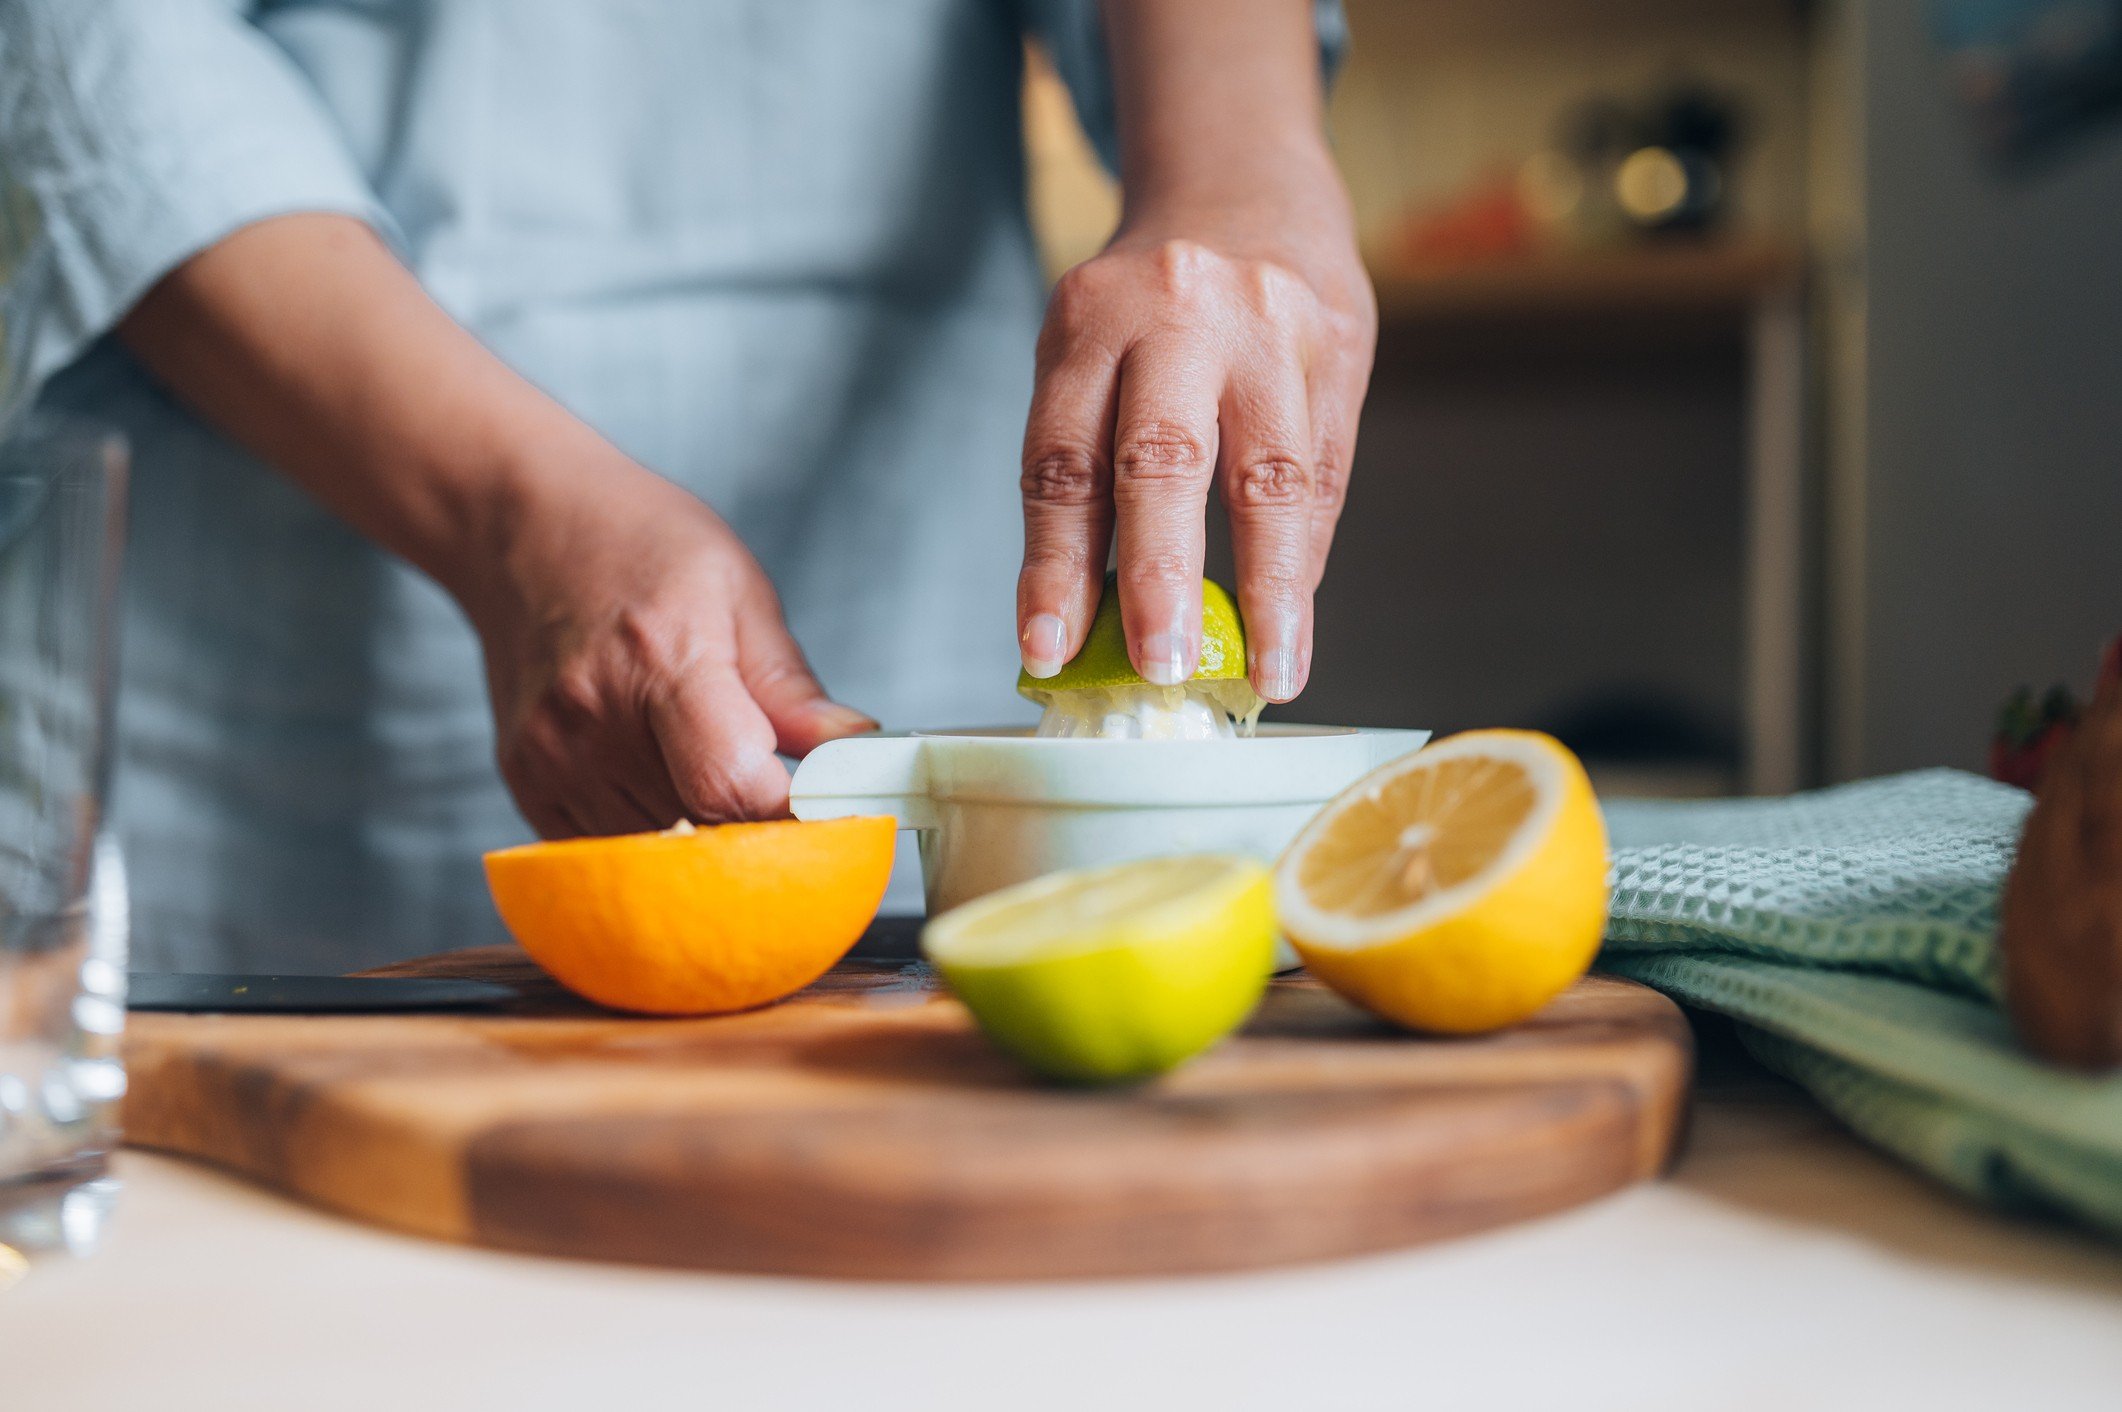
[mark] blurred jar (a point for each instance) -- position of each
(1620, 171)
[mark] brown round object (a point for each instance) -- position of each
(2062, 925)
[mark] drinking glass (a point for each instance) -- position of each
(62, 887)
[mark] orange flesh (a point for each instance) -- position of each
(1420, 832)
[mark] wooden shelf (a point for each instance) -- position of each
(1647, 281)
(1422, 26)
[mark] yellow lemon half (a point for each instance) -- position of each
(1457, 889)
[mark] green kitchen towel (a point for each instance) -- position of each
(1852, 934)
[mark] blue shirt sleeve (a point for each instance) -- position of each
(1074, 39)
(133, 134)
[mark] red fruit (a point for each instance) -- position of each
(2022, 765)
(2028, 733)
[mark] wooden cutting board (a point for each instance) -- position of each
(863, 1128)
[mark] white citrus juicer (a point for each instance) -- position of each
(995, 807)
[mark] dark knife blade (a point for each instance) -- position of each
(302, 995)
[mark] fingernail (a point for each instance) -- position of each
(1277, 671)
(844, 719)
(1045, 641)
(1167, 659)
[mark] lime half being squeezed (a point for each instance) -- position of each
(1100, 694)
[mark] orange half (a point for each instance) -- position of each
(699, 921)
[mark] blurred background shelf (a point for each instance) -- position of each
(1492, 23)
(1667, 779)
(1800, 496)
(1684, 277)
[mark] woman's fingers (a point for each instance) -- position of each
(1266, 474)
(1338, 380)
(540, 804)
(1165, 363)
(706, 753)
(718, 746)
(1068, 510)
(1164, 455)
(779, 679)
(565, 800)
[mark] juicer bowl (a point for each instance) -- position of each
(995, 807)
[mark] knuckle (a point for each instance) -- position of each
(1364, 315)
(1330, 484)
(771, 679)
(1270, 480)
(1159, 569)
(1278, 578)
(1061, 473)
(1274, 292)
(1085, 310)
(1353, 327)
(1055, 560)
(644, 636)
(1183, 268)
(1071, 307)
(572, 699)
(1158, 451)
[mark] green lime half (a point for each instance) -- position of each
(1103, 663)
(1111, 974)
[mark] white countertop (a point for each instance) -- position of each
(1780, 1266)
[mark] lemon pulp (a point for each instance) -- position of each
(1416, 834)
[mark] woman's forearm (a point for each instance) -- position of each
(1219, 101)
(637, 662)
(304, 340)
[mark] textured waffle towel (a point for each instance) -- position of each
(1852, 934)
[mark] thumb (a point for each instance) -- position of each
(780, 681)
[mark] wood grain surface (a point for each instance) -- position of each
(863, 1128)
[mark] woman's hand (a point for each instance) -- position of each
(639, 668)
(1223, 338)
(636, 656)
(1201, 349)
